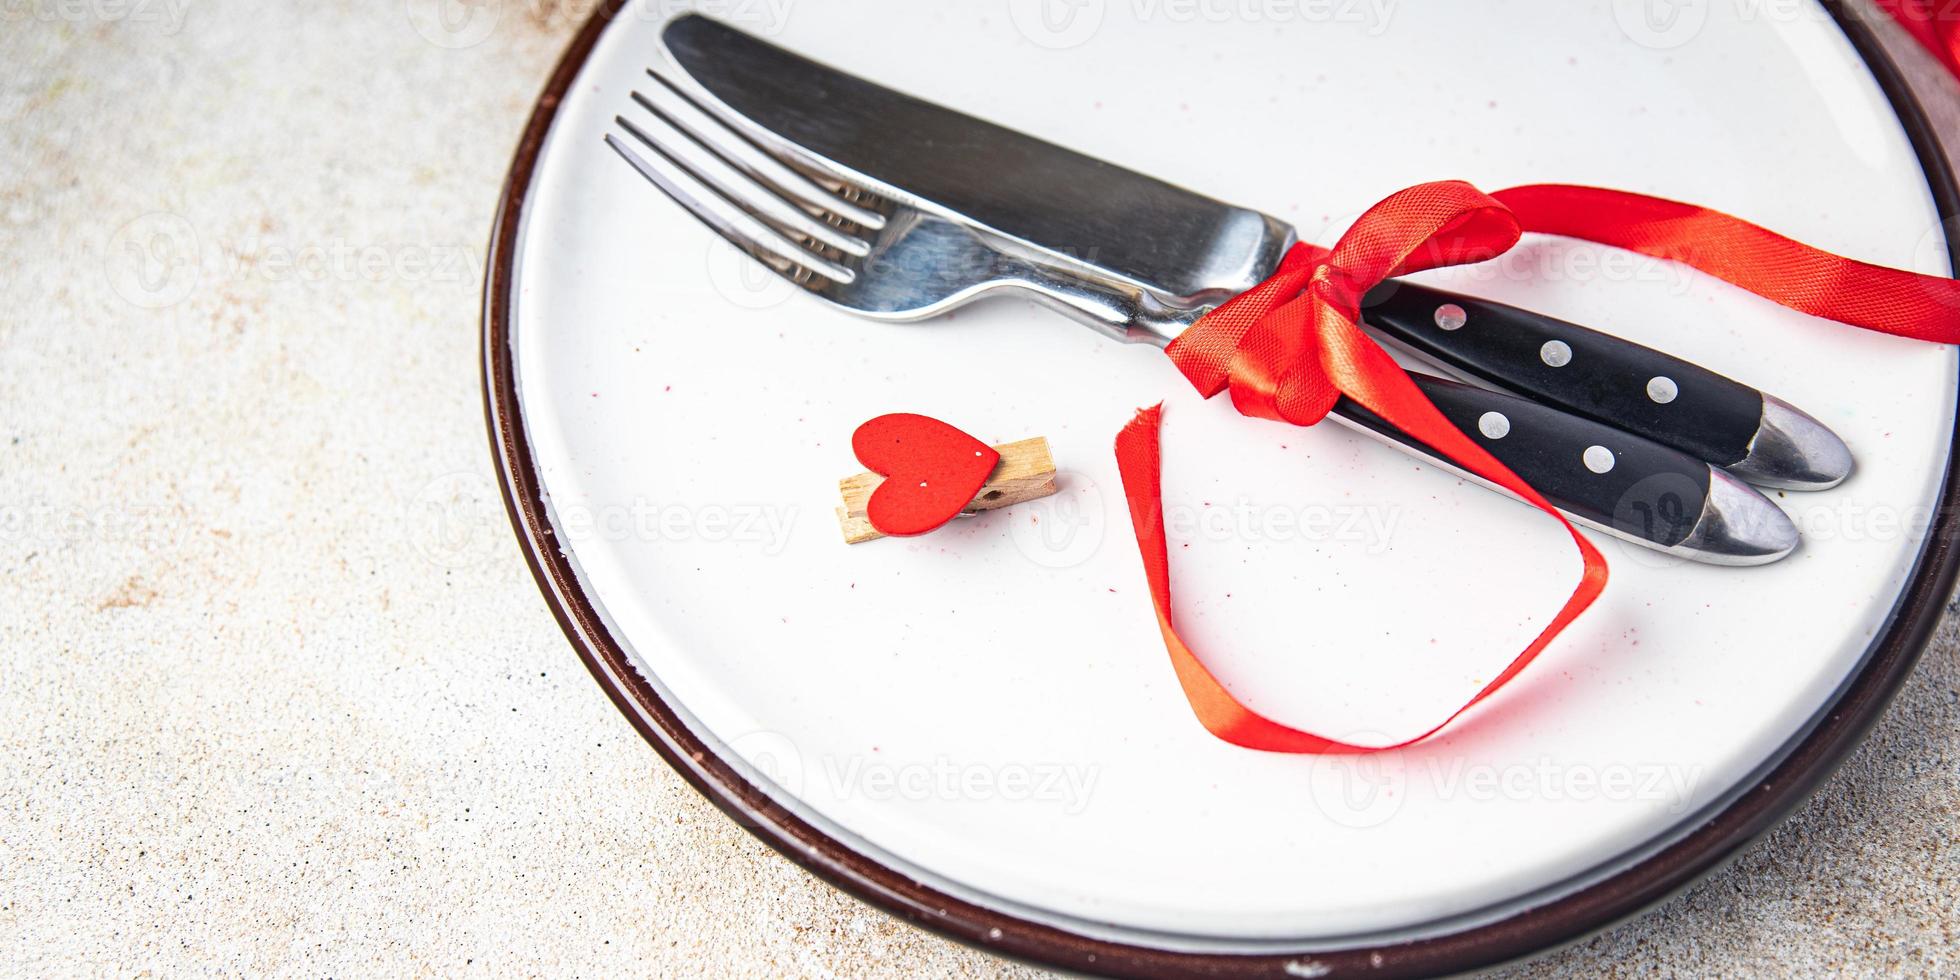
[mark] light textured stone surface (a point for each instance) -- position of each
(278, 692)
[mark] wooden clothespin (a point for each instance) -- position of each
(1025, 472)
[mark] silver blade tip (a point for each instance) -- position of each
(1793, 451)
(1740, 526)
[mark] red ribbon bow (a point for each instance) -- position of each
(1289, 348)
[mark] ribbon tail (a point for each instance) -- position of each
(1780, 269)
(1139, 461)
(1368, 375)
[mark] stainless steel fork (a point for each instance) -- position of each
(824, 230)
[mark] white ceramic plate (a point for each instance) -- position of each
(988, 711)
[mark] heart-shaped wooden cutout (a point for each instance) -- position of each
(931, 470)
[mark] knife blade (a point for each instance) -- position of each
(1188, 247)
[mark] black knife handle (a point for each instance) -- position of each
(1609, 477)
(1596, 375)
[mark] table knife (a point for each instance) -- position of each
(881, 203)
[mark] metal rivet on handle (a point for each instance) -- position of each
(1599, 459)
(1494, 425)
(1662, 390)
(1450, 316)
(1555, 353)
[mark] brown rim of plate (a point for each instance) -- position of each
(1753, 810)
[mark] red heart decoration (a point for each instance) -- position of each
(931, 470)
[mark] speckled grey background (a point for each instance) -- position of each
(277, 693)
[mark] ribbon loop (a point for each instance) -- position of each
(1290, 348)
(1428, 226)
(1280, 347)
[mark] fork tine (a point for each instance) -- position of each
(761, 243)
(785, 216)
(789, 182)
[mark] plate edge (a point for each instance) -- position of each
(1571, 918)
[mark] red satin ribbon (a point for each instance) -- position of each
(1934, 23)
(1289, 348)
